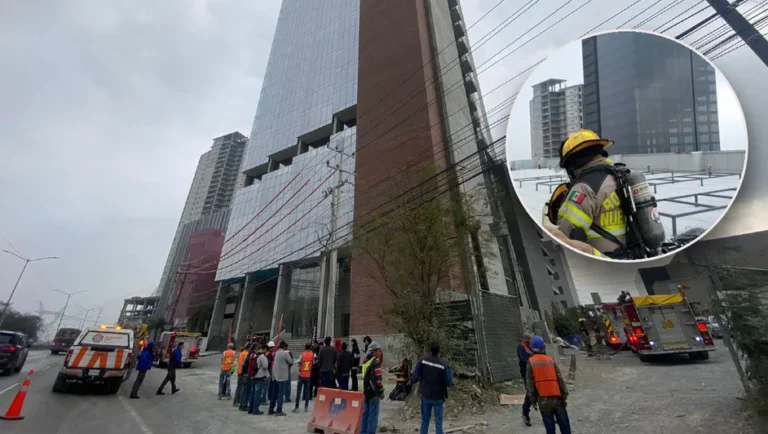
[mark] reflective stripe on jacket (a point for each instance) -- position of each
(227, 360)
(593, 201)
(545, 376)
(307, 360)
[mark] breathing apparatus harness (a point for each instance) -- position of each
(634, 247)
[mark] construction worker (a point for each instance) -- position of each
(592, 211)
(546, 388)
(373, 389)
(306, 361)
(227, 363)
(585, 336)
(240, 376)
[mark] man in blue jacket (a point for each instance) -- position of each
(435, 377)
(143, 364)
(174, 363)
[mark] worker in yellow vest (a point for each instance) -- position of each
(240, 375)
(546, 389)
(227, 363)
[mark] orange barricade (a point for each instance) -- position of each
(336, 412)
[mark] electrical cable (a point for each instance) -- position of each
(656, 15)
(706, 6)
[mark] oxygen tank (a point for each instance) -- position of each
(647, 214)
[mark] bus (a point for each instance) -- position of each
(64, 339)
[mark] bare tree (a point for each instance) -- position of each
(412, 250)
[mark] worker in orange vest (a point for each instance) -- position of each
(227, 363)
(546, 389)
(240, 376)
(306, 362)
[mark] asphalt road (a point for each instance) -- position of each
(195, 409)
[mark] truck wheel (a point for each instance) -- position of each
(704, 355)
(694, 356)
(644, 358)
(55, 353)
(186, 365)
(60, 385)
(113, 385)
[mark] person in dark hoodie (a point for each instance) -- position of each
(143, 364)
(173, 364)
(249, 371)
(356, 365)
(524, 353)
(327, 361)
(344, 364)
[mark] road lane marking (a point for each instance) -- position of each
(135, 415)
(46, 368)
(9, 387)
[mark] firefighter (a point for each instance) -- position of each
(585, 336)
(546, 388)
(592, 211)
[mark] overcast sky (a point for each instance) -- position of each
(107, 106)
(566, 64)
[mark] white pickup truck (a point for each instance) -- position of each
(99, 356)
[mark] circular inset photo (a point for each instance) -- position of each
(626, 145)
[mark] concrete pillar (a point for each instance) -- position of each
(283, 283)
(218, 312)
(322, 298)
(242, 312)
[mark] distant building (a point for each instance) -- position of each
(556, 111)
(137, 311)
(649, 94)
(208, 202)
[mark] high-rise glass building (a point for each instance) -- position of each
(207, 206)
(345, 89)
(555, 112)
(649, 94)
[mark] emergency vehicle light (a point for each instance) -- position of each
(102, 327)
(118, 328)
(702, 327)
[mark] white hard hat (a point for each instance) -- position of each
(271, 344)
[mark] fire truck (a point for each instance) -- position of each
(169, 340)
(612, 316)
(660, 325)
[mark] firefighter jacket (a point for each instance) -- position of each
(592, 202)
(544, 384)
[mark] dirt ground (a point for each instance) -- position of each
(617, 395)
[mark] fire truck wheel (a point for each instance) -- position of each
(186, 365)
(60, 385)
(694, 356)
(704, 355)
(644, 358)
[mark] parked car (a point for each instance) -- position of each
(714, 328)
(14, 348)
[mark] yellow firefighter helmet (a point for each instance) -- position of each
(555, 202)
(579, 140)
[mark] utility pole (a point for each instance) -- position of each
(97, 317)
(333, 254)
(742, 27)
(13, 291)
(64, 311)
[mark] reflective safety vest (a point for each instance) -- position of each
(228, 360)
(307, 359)
(241, 361)
(545, 376)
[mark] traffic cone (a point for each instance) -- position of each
(14, 410)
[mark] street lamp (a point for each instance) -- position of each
(13, 291)
(69, 295)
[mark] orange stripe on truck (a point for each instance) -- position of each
(99, 357)
(119, 359)
(79, 357)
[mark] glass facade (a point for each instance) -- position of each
(649, 94)
(307, 103)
